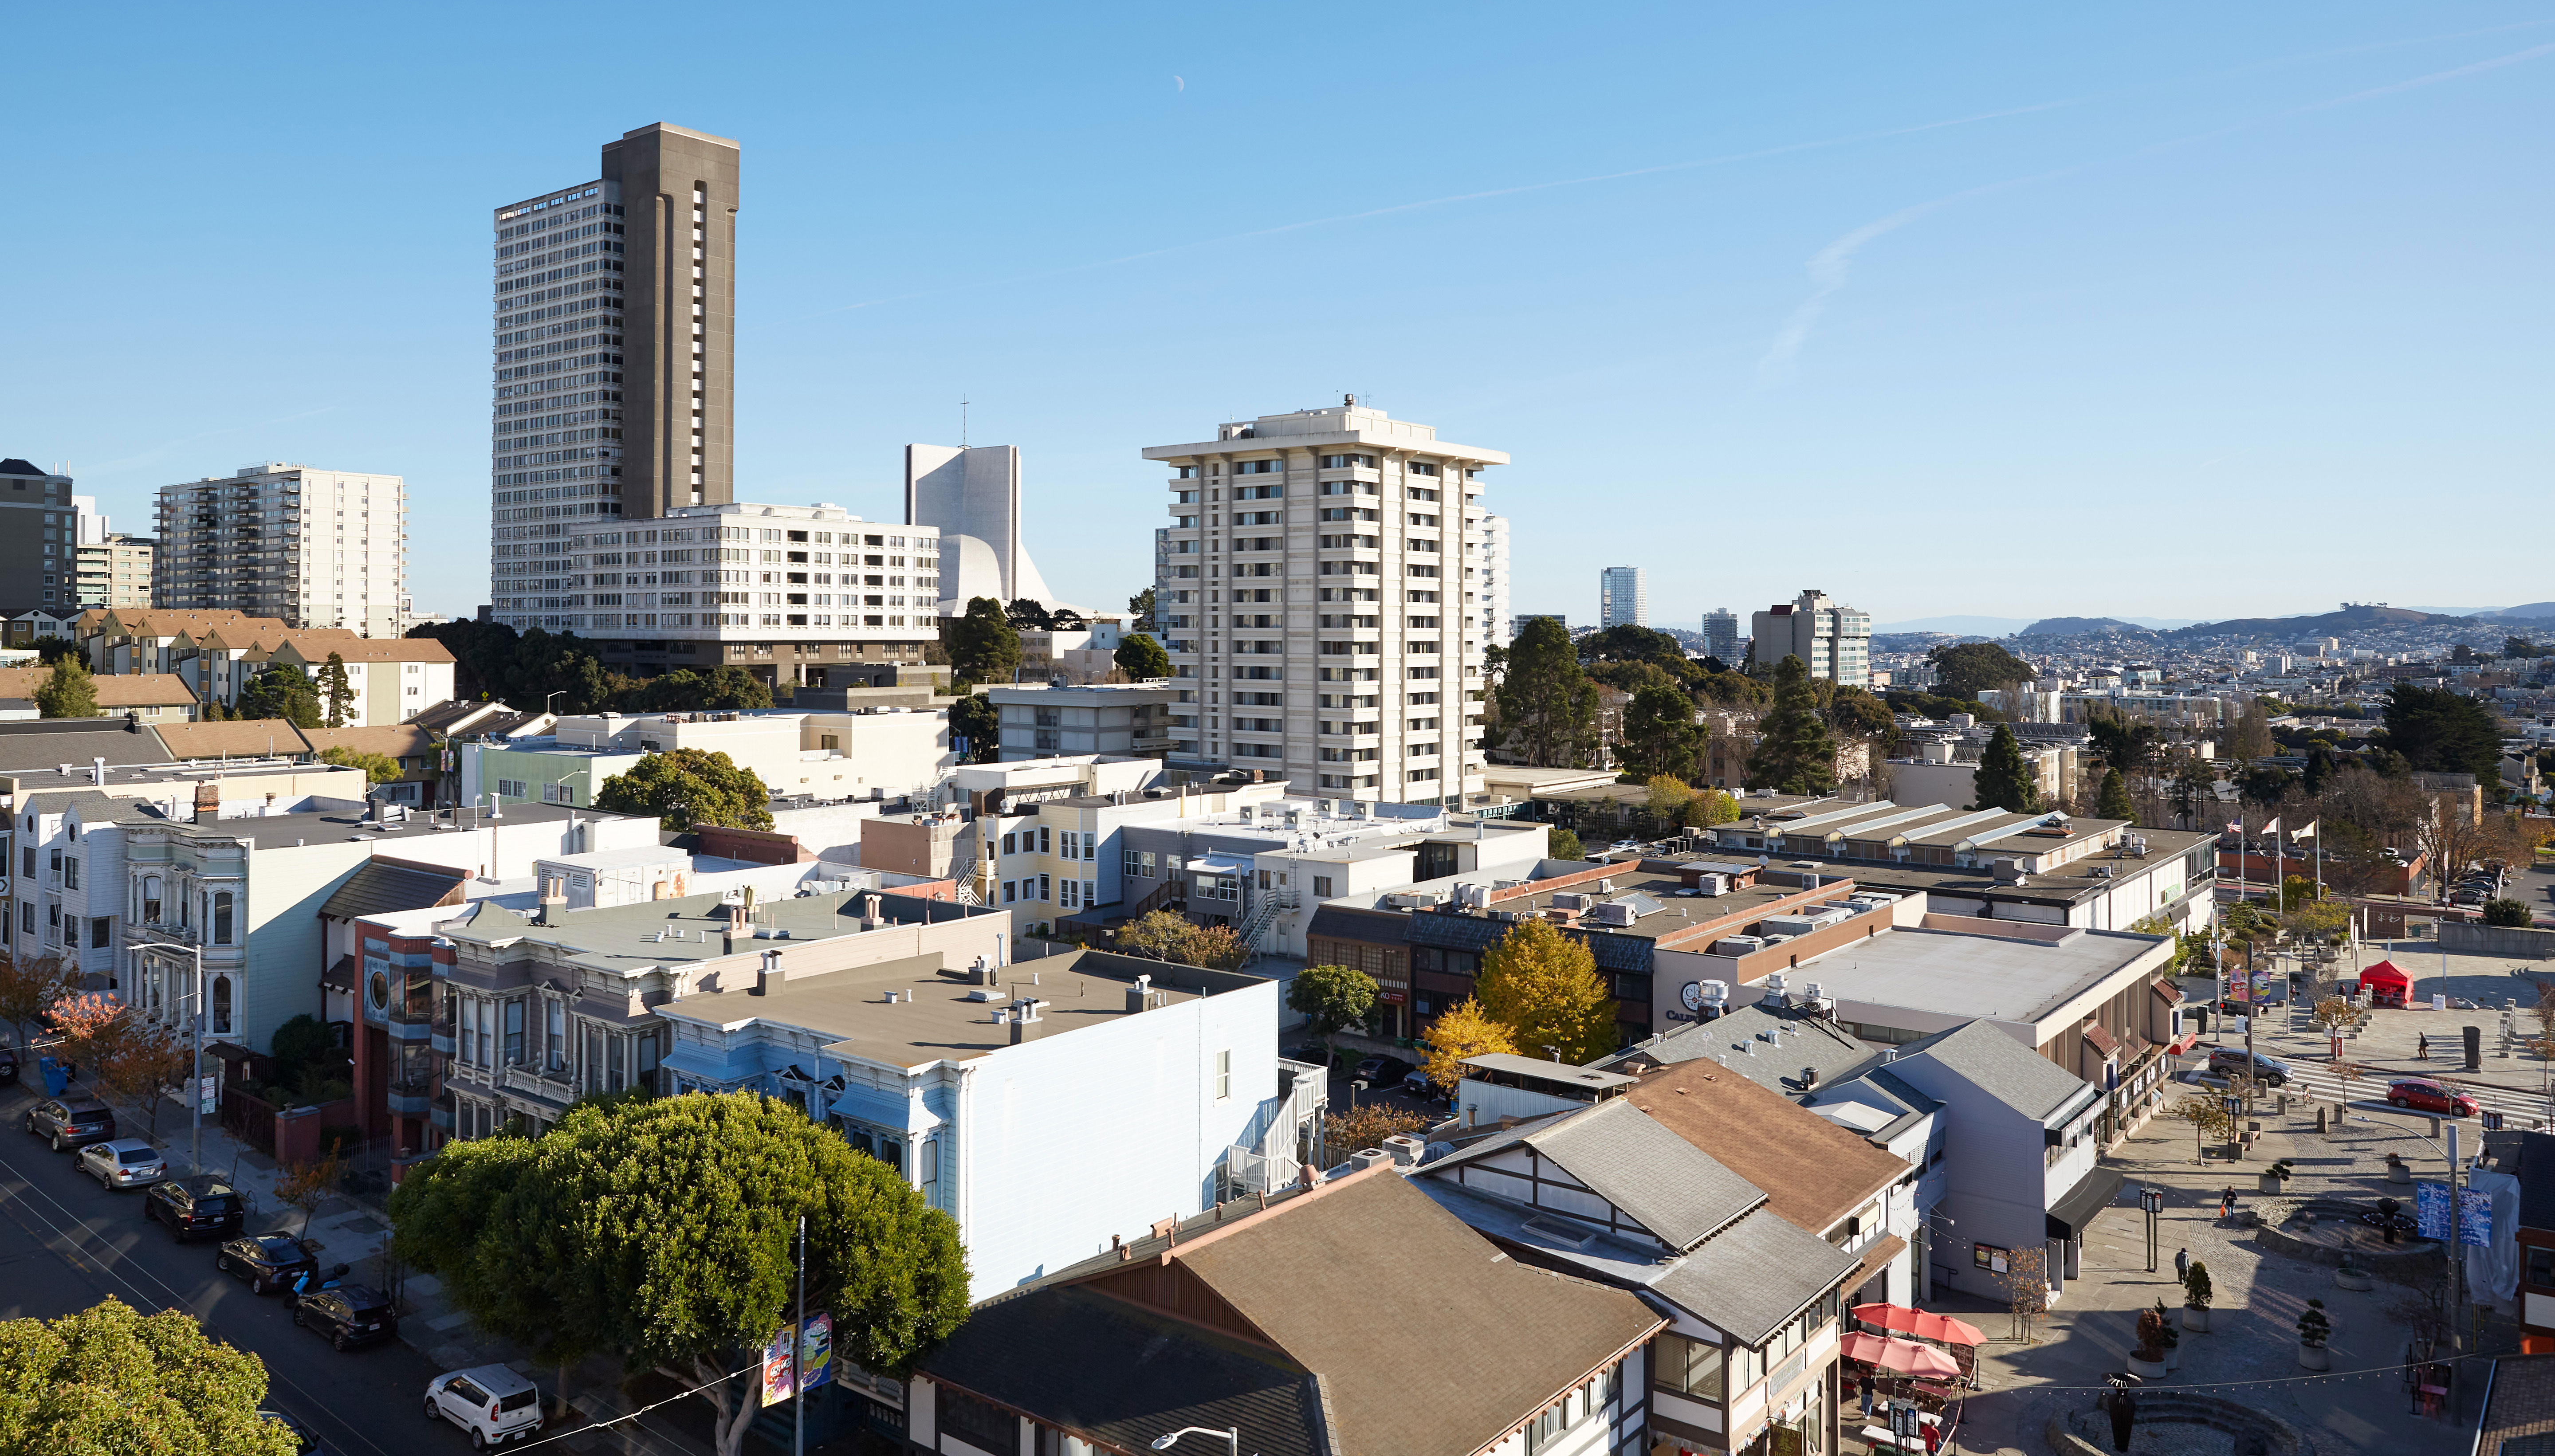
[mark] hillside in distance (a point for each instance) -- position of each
(2358, 617)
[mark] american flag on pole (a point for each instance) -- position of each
(2234, 826)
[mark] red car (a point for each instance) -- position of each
(2425, 1095)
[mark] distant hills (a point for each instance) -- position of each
(2080, 627)
(2358, 618)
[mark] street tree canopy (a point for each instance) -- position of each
(1140, 657)
(378, 768)
(1966, 670)
(1463, 1031)
(1542, 986)
(686, 787)
(1661, 738)
(1544, 700)
(2439, 731)
(663, 1230)
(2114, 801)
(2003, 780)
(280, 691)
(110, 1379)
(984, 644)
(1332, 997)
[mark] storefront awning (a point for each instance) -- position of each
(2070, 1215)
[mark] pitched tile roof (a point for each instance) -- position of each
(312, 647)
(1670, 1186)
(1813, 1171)
(391, 740)
(250, 738)
(1318, 1326)
(114, 691)
(1753, 1277)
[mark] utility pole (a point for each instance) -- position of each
(195, 1073)
(799, 1352)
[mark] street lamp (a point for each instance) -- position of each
(1230, 1435)
(546, 702)
(194, 1076)
(2151, 1201)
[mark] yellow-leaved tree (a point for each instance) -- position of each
(1464, 1030)
(1543, 987)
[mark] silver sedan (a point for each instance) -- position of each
(125, 1163)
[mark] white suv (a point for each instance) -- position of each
(493, 1403)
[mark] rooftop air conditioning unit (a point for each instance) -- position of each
(1772, 990)
(1737, 944)
(1712, 884)
(1613, 912)
(1716, 995)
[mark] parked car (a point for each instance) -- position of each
(125, 1163)
(69, 1121)
(2424, 1095)
(268, 1262)
(201, 1204)
(1382, 1071)
(8, 1067)
(304, 1443)
(2270, 1071)
(348, 1315)
(1310, 1052)
(493, 1403)
(1415, 1083)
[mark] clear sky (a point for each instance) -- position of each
(2166, 310)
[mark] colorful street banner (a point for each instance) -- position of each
(2431, 1210)
(816, 1353)
(2475, 1218)
(776, 1368)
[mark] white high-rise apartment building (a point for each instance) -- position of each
(311, 548)
(1721, 636)
(1830, 637)
(1322, 587)
(1620, 601)
(1494, 613)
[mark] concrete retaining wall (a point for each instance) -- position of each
(2473, 938)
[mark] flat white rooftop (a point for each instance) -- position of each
(1944, 970)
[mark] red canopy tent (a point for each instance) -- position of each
(2386, 985)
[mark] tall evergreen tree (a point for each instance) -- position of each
(2005, 780)
(1660, 733)
(1795, 752)
(2114, 801)
(335, 691)
(1544, 700)
(70, 692)
(984, 645)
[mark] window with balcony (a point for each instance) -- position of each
(554, 1036)
(514, 1034)
(220, 919)
(151, 894)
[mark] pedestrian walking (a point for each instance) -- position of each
(2125, 1416)
(2227, 1202)
(2181, 1265)
(2422, 1047)
(1865, 1386)
(1934, 1437)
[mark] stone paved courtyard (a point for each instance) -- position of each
(2249, 1352)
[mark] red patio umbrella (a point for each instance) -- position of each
(1921, 1323)
(1899, 1357)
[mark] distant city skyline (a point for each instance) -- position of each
(2111, 296)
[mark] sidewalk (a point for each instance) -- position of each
(345, 1230)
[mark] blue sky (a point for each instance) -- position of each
(2165, 310)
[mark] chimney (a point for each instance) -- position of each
(734, 929)
(768, 975)
(1024, 1019)
(869, 912)
(209, 801)
(1140, 994)
(553, 900)
(97, 771)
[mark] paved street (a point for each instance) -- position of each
(68, 1244)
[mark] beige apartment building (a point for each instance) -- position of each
(1320, 586)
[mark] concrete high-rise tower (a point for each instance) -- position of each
(972, 497)
(615, 356)
(1620, 601)
(1832, 639)
(1721, 636)
(1321, 587)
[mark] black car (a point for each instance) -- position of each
(1310, 1052)
(8, 1067)
(68, 1123)
(1382, 1071)
(201, 1204)
(348, 1315)
(304, 1443)
(2268, 1070)
(268, 1262)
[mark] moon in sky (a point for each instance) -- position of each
(1179, 82)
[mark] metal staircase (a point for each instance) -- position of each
(1263, 918)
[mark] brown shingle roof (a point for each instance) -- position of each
(1813, 1171)
(391, 740)
(255, 738)
(127, 691)
(315, 649)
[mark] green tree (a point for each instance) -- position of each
(378, 768)
(1661, 738)
(336, 691)
(1710, 808)
(2123, 744)
(1545, 703)
(109, 1380)
(2160, 926)
(686, 787)
(1966, 670)
(1543, 987)
(68, 692)
(2113, 801)
(976, 719)
(1669, 797)
(1628, 643)
(1140, 657)
(984, 645)
(1028, 614)
(663, 1230)
(1563, 844)
(1331, 998)
(1795, 752)
(279, 691)
(1141, 608)
(2003, 780)
(2505, 912)
(687, 691)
